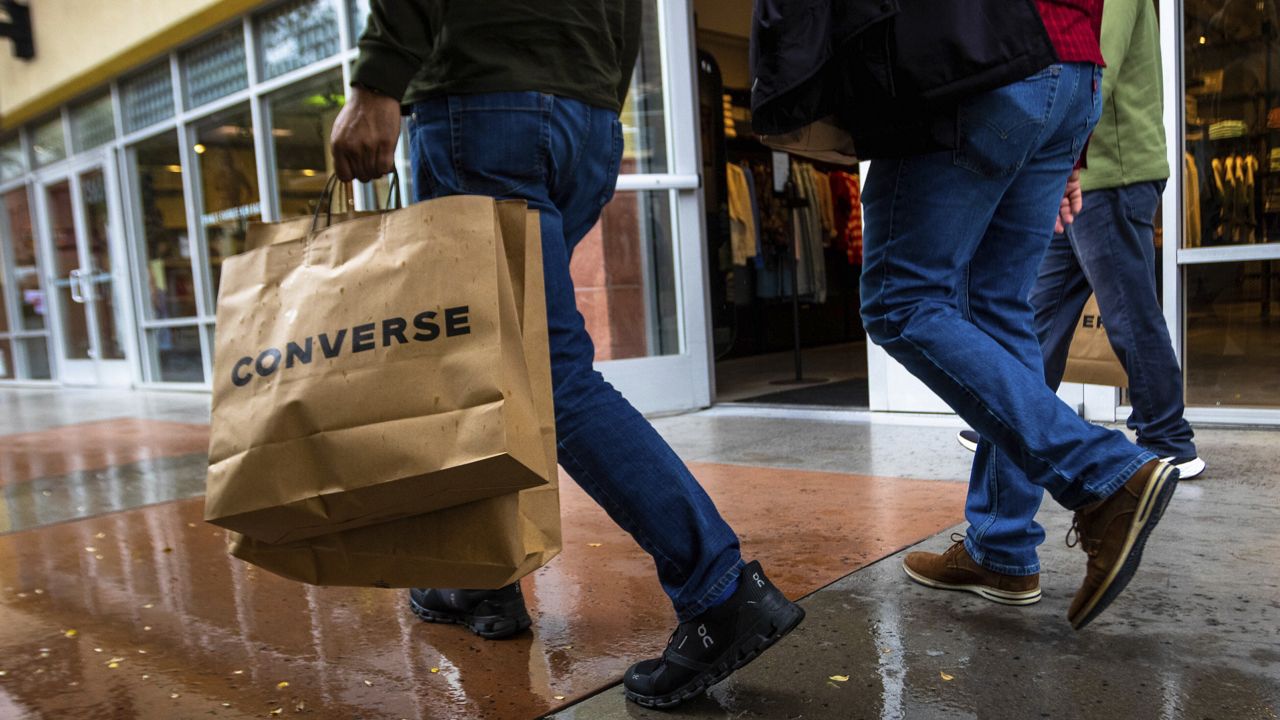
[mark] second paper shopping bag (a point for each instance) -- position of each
(369, 371)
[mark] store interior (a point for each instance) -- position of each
(1231, 169)
(783, 264)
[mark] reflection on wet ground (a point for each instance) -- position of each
(141, 613)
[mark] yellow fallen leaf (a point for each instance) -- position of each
(39, 591)
(226, 704)
(116, 660)
(146, 677)
(839, 678)
(558, 697)
(142, 652)
(146, 627)
(282, 684)
(299, 706)
(90, 548)
(368, 684)
(277, 711)
(174, 696)
(148, 606)
(435, 670)
(595, 544)
(946, 676)
(113, 666)
(70, 633)
(97, 649)
(101, 535)
(237, 672)
(3, 673)
(97, 557)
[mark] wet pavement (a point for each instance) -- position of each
(117, 601)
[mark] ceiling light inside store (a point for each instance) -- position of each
(308, 172)
(1203, 40)
(173, 168)
(281, 132)
(199, 148)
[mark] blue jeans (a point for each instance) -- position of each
(562, 156)
(1109, 250)
(953, 243)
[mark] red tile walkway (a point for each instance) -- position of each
(166, 625)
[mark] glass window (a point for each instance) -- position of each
(4, 286)
(161, 216)
(92, 124)
(358, 11)
(11, 162)
(47, 142)
(228, 184)
(1232, 160)
(97, 227)
(7, 369)
(644, 127)
(26, 275)
(215, 69)
(301, 119)
(1233, 339)
(66, 259)
(624, 270)
(35, 353)
(295, 34)
(147, 98)
(176, 353)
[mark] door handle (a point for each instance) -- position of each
(76, 287)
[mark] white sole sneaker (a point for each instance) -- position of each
(1187, 469)
(965, 442)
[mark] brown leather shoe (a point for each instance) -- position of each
(955, 570)
(1113, 532)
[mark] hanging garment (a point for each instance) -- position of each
(1191, 202)
(1248, 167)
(742, 227)
(847, 201)
(1218, 189)
(754, 196)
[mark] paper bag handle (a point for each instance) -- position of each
(326, 200)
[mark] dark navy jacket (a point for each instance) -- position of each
(890, 72)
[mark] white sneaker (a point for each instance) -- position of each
(1188, 467)
(968, 439)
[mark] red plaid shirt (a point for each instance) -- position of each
(1075, 28)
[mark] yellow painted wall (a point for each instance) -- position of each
(80, 44)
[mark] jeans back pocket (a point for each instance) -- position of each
(998, 130)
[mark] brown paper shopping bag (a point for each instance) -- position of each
(484, 544)
(1090, 358)
(370, 371)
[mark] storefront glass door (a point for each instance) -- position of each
(79, 240)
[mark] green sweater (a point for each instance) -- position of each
(581, 49)
(1128, 146)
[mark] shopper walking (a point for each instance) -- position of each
(953, 245)
(521, 100)
(1110, 250)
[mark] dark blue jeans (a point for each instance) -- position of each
(562, 156)
(1110, 251)
(953, 244)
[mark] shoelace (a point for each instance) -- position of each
(1075, 537)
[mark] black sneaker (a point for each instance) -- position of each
(968, 439)
(491, 614)
(706, 649)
